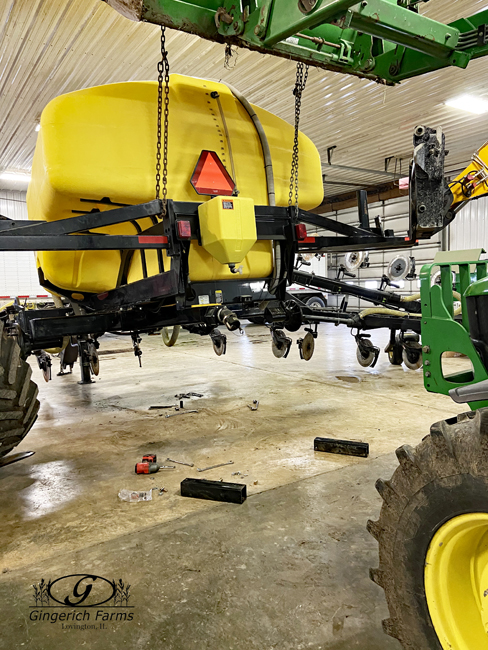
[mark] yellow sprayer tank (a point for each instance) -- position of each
(100, 143)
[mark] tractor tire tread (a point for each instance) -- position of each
(455, 448)
(19, 405)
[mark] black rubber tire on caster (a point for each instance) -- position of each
(19, 405)
(412, 358)
(85, 365)
(365, 360)
(444, 477)
(395, 355)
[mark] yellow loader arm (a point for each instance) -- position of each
(472, 182)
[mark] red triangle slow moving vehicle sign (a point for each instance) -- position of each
(211, 177)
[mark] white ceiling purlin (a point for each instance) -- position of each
(50, 47)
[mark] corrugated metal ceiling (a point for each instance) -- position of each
(49, 47)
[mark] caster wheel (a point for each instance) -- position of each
(307, 346)
(367, 356)
(395, 356)
(412, 358)
(94, 359)
(281, 344)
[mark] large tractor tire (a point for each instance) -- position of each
(433, 538)
(18, 395)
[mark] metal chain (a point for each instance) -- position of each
(300, 83)
(163, 76)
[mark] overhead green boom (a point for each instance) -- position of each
(384, 40)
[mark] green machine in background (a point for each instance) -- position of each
(450, 279)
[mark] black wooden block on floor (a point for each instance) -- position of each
(201, 488)
(344, 447)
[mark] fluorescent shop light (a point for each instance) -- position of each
(15, 176)
(469, 103)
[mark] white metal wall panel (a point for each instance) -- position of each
(18, 273)
(470, 227)
(394, 215)
(319, 266)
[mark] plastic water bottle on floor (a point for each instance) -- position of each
(134, 496)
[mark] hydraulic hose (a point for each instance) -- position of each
(395, 312)
(268, 169)
(384, 310)
(416, 296)
(268, 163)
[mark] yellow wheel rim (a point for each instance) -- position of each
(456, 582)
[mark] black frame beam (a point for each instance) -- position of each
(84, 221)
(347, 244)
(80, 242)
(272, 222)
(377, 297)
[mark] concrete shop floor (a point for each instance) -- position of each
(288, 569)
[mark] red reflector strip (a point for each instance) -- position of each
(152, 239)
(184, 229)
(308, 240)
(301, 231)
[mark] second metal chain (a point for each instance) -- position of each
(300, 83)
(163, 116)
